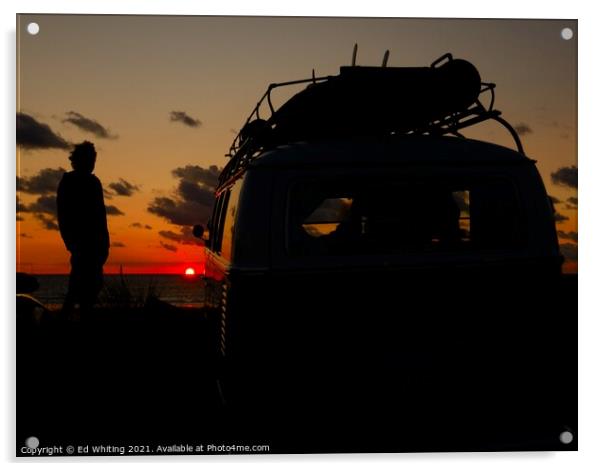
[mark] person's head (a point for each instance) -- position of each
(83, 157)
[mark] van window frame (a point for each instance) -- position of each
(221, 203)
(400, 175)
(230, 200)
(214, 223)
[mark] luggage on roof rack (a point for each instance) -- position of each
(377, 100)
(370, 101)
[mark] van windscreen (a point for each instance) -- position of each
(345, 218)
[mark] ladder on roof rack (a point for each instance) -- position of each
(257, 134)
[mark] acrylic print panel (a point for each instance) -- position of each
(385, 259)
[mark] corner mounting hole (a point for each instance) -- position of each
(566, 437)
(33, 28)
(32, 442)
(566, 34)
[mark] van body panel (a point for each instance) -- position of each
(334, 328)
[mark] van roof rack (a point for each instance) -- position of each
(421, 101)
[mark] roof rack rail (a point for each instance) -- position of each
(257, 136)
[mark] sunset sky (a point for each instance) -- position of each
(162, 99)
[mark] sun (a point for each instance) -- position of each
(189, 271)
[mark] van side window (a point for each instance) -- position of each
(345, 218)
(218, 221)
(229, 220)
(214, 222)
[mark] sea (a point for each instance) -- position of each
(174, 289)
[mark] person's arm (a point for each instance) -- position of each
(65, 214)
(105, 239)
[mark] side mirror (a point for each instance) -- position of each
(198, 231)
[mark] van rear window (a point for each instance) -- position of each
(334, 218)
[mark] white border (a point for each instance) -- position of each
(590, 313)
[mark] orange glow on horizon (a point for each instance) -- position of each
(112, 269)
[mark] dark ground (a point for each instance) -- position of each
(148, 377)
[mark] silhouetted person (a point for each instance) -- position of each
(82, 221)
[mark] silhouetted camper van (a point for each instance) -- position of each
(368, 260)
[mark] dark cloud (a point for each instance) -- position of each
(48, 222)
(44, 204)
(196, 174)
(46, 181)
(184, 237)
(170, 235)
(117, 244)
(171, 248)
(565, 176)
(45, 184)
(113, 211)
(184, 118)
(123, 188)
(20, 206)
(181, 213)
(523, 129)
(193, 198)
(140, 226)
(554, 199)
(568, 235)
(43, 209)
(25, 235)
(560, 217)
(193, 192)
(569, 251)
(88, 125)
(31, 134)
(571, 203)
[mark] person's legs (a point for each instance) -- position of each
(74, 288)
(92, 281)
(85, 283)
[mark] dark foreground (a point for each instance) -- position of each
(145, 378)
